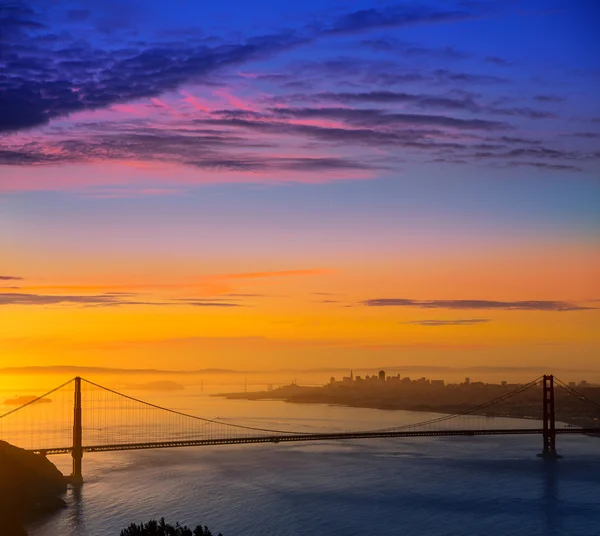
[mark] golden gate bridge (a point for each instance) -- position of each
(92, 418)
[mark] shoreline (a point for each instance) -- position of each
(261, 396)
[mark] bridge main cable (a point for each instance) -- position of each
(576, 393)
(45, 395)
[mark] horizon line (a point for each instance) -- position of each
(48, 369)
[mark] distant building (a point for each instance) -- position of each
(438, 383)
(504, 383)
(467, 381)
(332, 381)
(382, 375)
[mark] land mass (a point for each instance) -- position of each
(30, 487)
(20, 400)
(436, 396)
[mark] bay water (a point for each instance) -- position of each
(492, 485)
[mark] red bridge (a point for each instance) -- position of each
(93, 418)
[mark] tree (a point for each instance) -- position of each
(160, 528)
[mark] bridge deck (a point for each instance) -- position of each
(310, 437)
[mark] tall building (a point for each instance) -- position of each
(382, 375)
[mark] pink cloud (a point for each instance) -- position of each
(248, 75)
(318, 123)
(150, 178)
(133, 109)
(195, 102)
(159, 103)
(233, 100)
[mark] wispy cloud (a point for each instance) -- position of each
(496, 60)
(104, 300)
(531, 305)
(10, 278)
(549, 98)
(372, 117)
(458, 322)
(394, 16)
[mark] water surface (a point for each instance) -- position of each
(389, 487)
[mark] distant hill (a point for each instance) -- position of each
(76, 369)
(165, 386)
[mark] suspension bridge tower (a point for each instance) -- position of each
(77, 451)
(549, 418)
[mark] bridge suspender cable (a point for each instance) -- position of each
(576, 393)
(175, 412)
(172, 430)
(468, 411)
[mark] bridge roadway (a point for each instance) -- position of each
(309, 437)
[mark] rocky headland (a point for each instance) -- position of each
(30, 487)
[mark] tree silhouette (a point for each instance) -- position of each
(160, 528)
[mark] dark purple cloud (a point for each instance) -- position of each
(545, 165)
(51, 84)
(530, 113)
(54, 75)
(99, 300)
(200, 148)
(445, 75)
(458, 322)
(235, 140)
(462, 102)
(530, 305)
(496, 60)
(587, 135)
(392, 97)
(394, 16)
(549, 98)
(404, 49)
(10, 278)
(373, 117)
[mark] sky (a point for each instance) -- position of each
(269, 185)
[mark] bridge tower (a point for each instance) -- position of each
(549, 430)
(77, 452)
